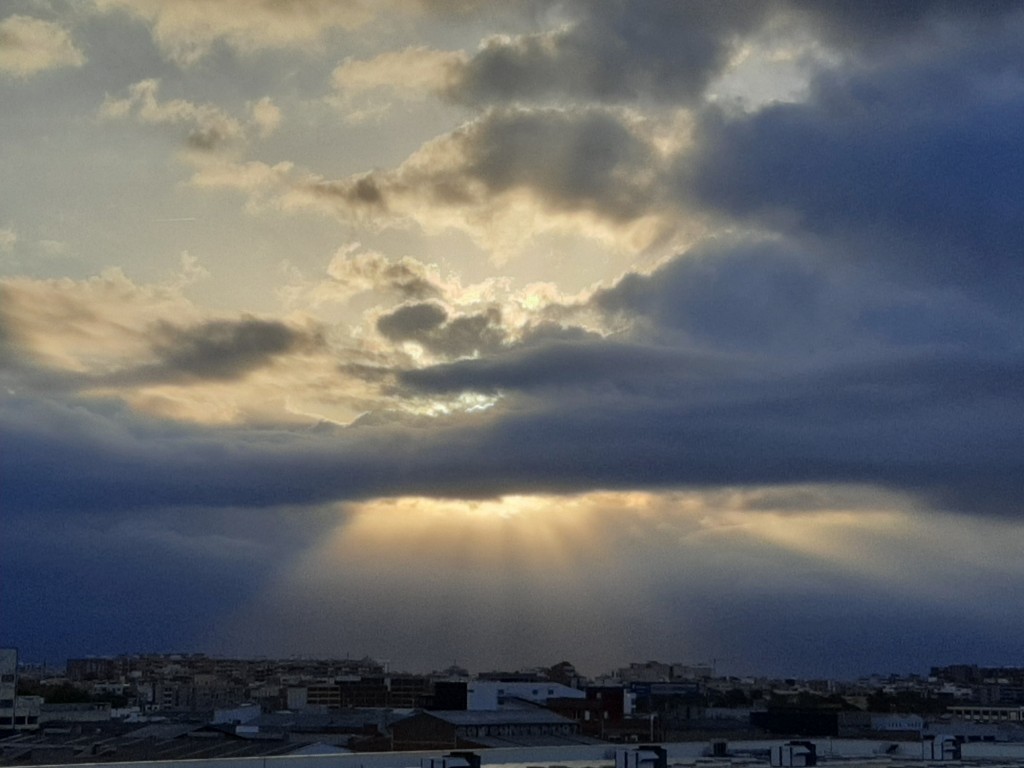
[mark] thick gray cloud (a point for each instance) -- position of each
(877, 163)
(867, 25)
(411, 321)
(615, 416)
(776, 298)
(669, 51)
(573, 160)
(613, 51)
(429, 324)
(217, 350)
(564, 161)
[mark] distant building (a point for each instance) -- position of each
(645, 672)
(90, 668)
(988, 714)
(8, 687)
(450, 694)
(659, 672)
(17, 713)
(79, 712)
(398, 691)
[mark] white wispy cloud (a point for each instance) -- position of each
(29, 45)
(187, 30)
(209, 126)
(8, 237)
(266, 116)
(413, 72)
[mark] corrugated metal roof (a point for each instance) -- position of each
(537, 716)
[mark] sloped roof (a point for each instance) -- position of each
(537, 716)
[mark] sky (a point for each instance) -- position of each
(507, 333)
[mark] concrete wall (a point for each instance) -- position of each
(993, 750)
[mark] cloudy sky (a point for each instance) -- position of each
(502, 333)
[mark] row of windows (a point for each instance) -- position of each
(972, 713)
(534, 692)
(19, 720)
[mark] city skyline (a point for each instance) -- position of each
(503, 333)
(631, 671)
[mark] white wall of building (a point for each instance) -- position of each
(298, 697)
(8, 686)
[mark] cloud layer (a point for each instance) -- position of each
(721, 281)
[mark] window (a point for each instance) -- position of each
(7, 677)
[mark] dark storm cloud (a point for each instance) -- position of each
(777, 298)
(217, 350)
(600, 367)
(616, 416)
(870, 24)
(669, 51)
(573, 159)
(429, 324)
(613, 51)
(749, 295)
(568, 160)
(411, 321)
(759, 362)
(947, 427)
(878, 163)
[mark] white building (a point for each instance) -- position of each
(8, 687)
(989, 714)
(16, 713)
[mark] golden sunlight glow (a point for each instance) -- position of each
(554, 567)
(548, 531)
(864, 533)
(465, 402)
